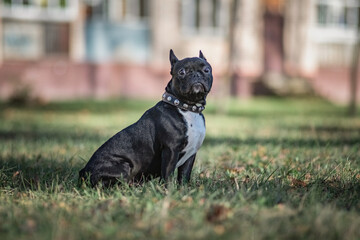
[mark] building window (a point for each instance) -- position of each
(338, 13)
(42, 3)
(121, 10)
(39, 10)
(337, 21)
(98, 10)
(205, 16)
(34, 29)
(336, 31)
(56, 39)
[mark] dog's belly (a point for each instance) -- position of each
(195, 134)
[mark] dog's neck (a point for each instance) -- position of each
(172, 100)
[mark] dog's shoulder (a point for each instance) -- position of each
(163, 111)
(168, 121)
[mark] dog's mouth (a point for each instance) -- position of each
(197, 93)
(198, 88)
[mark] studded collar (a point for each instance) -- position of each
(172, 100)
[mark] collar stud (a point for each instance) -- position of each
(172, 100)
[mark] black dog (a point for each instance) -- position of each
(166, 137)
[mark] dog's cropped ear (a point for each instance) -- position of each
(201, 55)
(173, 59)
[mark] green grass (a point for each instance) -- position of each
(268, 169)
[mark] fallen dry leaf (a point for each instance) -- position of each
(205, 174)
(217, 213)
(169, 225)
(15, 174)
(235, 170)
(297, 182)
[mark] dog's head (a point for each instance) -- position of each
(191, 78)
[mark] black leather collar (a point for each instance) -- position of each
(171, 99)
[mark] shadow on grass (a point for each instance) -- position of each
(60, 136)
(55, 135)
(90, 105)
(274, 141)
(53, 175)
(345, 195)
(36, 172)
(333, 136)
(342, 194)
(327, 129)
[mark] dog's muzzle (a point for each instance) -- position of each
(198, 88)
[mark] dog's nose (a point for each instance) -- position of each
(198, 87)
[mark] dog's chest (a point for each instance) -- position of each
(195, 134)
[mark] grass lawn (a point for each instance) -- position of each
(268, 169)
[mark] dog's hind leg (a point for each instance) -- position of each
(110, 172)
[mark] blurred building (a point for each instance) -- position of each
(66, 49)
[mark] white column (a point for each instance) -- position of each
(77, 33)
(249, 37)
(300, 52)
(116, 10)
(164, 29)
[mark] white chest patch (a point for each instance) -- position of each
(195, 134)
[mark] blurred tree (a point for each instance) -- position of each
(354, 76)
(231, 75)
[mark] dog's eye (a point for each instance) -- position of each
(206, 69)
(182, 72)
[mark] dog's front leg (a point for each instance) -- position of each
(169, 159)
(184, 171)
